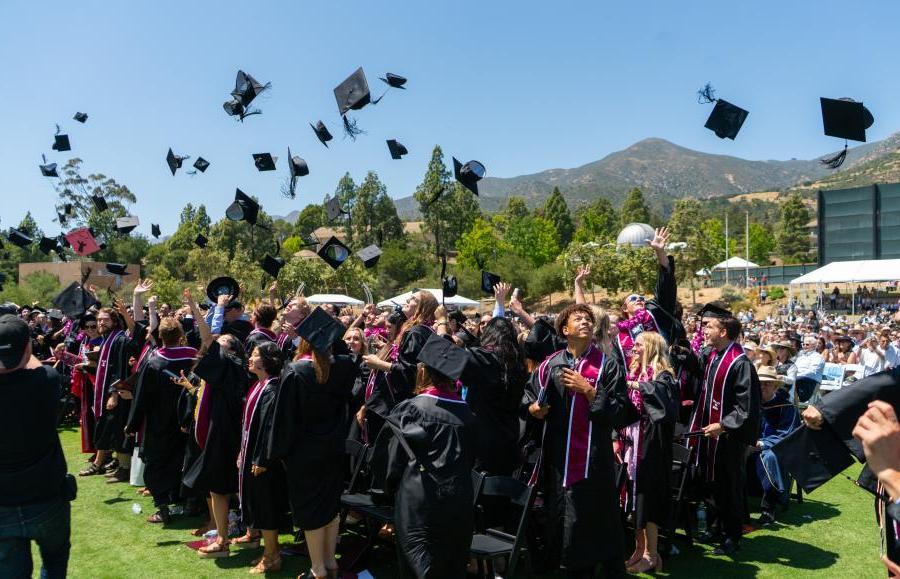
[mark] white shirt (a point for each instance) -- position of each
(872, 363)
(809, 365)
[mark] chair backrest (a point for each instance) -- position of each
(681, 453)
(356, 452)
(477, 482)
(519, 494)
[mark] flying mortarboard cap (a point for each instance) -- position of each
(155, 231)
(61, 217)
(715, 310)
(201, 164)
(812, 456)
(449, 286)
(726, 119)
(174, 161)
(320, 330)
(264, 161)
(488, 281)
(444, 357)
(127, 224)
(243, 208)
(397, 149)
(80, 117)
(74, 301)
(297, 165)
(246, 88)
(333, 209)
(19, 238)
(61, 143)
(82, 241)
(353, 92)
(469, 174)
(223, 286)
(48, 244)
(394, 80)
(49, 170)
(68, 209)
(369, 255)
(322, 132)
(99, 203)
(201, 241)
(117, 268)
(272, 265)
(846, 119)
(334, 253)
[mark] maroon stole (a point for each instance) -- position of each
(249, 413)
(265, 332)
(432, 392)
(283, 337)
(704, 416)
(102, 372)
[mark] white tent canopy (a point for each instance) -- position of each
(734, 263)
(865, 270)
(456, 300)
(336, 299)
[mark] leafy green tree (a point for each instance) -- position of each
(557, 212)
(480, 245)
(547, 279)
(453, 213)
(311, 218)
(762, 244)
(793, 237)
(40, 286)
(400, 264)
(375, 216)
(597, 222)
(390, 226)
(534, 238)
(634, 209)
(11, 256)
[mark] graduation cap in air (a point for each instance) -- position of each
(48, 244)
(813, 456)
(99, 203)
(726, 119)
(243, 208)
(127, 224)
(351, 95)
(448, 282)
(322, 132)
(334, 253)
(488, 281)
(846, 119)
(394, 80)
(174, 161)
(117, 268)
(74, 301)
(442, 356)
(246, 88)
(397, 149)
(19, 238)
(80, 117)
(264, 161)
(272, 265)
(82, 241)
(298, 168)
(48, 169)
(155, 231)
(333, 209)
(201, 241)
(61, 217)
(61, 142)
(223, 286)
(715, 310)
(320, 330)
(468, 174)
(369, 255)
(201, 164)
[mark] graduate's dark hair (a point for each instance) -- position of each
(499, 337)
(563, 318)
(270, 355)
(264, 315)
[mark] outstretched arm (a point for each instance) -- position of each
(580, 275)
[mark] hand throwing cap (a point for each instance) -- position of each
(222, 286)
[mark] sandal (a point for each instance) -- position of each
(266, 566)
(247, 541)
(310, 575)
(141, 490)
(202, 530)
(91, 470)
(159, 517)
(214, 550)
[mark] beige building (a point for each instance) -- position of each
(70, 271)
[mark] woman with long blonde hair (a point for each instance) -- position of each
(647, 445)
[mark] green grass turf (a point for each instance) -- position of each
(832, 534)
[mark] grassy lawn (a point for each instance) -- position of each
(832, 534)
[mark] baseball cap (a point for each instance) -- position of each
(14, 336)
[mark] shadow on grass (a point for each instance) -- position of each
(774, 550)
(114, 500)
(799, 514)
(168, 543)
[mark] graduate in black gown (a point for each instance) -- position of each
(579, 395)
(653, 392)
(154, 417)
(262, 319)
(430, 465)
(308, 435)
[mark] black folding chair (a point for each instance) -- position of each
(491, 544)
(681, 469)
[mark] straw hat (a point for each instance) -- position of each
(768, 374)
(751, 346)
(769, 350)
(785, 344)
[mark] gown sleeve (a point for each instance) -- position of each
(660, 398)
(666, 288)
(403, 372)
(744, 417)
(139, 403)
(611, 401)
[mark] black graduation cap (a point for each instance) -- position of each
(61, 143)
(243, 208)
(61, 217)
(369, 255)
(74, 301)
(174, 161)
(320, 330)
(442, 356)
(397, 149)
(394, 80)
(846, 119)
(201, 164)
(69, 209)
(334, 253)
(812, 456)
(223, 286)
(48, 244)
(298, 168)
(726, 119)
(246, 88)
(19, 238)
(117, 268)
(352, 94)
(469, 174)
(99, 203)
(488, 281)
(264, 161)
(155, 231)
(333, 209)
(714, 310)
(201, 241)
(80, 117)
(127, 224)
(49, 170)
(541, 341)
(322, 132)
(272, 265)
(448, 283)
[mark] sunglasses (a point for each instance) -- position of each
(634, 298)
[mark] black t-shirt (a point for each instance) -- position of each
(32, 465)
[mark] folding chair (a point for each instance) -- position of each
(490, 544)
(681, 469)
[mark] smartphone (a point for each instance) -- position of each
(515, 294)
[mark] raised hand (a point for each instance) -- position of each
(582, 273)
(501, 290)
(224, 300)
(143, 287)
(660, 239)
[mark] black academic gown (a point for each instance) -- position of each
(688, 373)
(662, 306)
(240, 329)
(109, 429)
(494, 397)
(652, 493)
(308, 434)
(154, 412)
(433, 508)
(583, 523)
(255, 339)
(213, 469)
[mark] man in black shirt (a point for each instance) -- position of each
(34, 488)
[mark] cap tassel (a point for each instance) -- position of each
(351, 129)
(289, 190)
(707, 94)
(837, 160)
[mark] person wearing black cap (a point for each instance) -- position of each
(579, 396)
(308, 434)
(34, 488)
(728, 414)
(430, 462)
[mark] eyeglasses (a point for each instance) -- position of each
(634, 298)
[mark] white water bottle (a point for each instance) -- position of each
(701, 519)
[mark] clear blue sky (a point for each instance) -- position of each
(521, 86)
